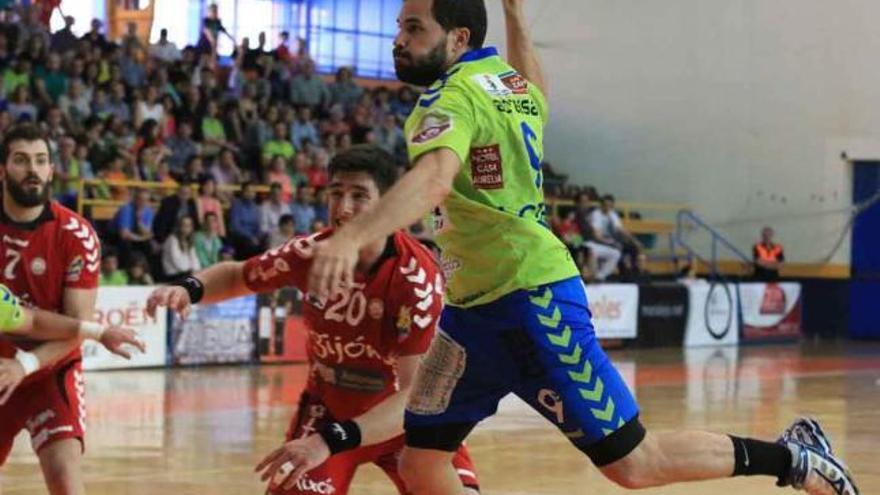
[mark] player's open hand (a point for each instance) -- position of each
(286, 465)
(11, 374)
(117, 339)
(333, 266)
(172, 297)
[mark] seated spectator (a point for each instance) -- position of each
(336, 125)
(20, 107)
(404, 103)
(278, 145)
(54, 79)
(132, 226)
(118, 105)
(277, 174)
(344, 91)
(609, 230)
(303, 210)
(213, 133)
(209, 202)
(111, 275)
(286, 230)
(272, 210)
(208, 242)
(164, 49)
(194, 170)
(138, 271)
(76, 104)
(172, 209)
(244, 223)
(308, 89)
(179, 257)
(149, 107)
(318, 175)
(114, 173)
(389, 137)
(303, 128)
(299, 175)
(227, 253)
(602, 253)
(182, 147)
(768, 257)
(225, 171)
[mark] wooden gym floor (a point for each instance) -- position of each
(200, 431)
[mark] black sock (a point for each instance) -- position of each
(754, 457)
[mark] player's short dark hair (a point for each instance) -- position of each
(470, 14)
(608, 197)
(21, 132)
(367, 158)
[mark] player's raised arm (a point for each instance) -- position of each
(218, 283)
(521, 54)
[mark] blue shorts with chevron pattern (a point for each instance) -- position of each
(541, 346)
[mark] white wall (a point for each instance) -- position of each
(739, 107)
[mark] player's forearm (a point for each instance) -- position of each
(521, 52)
(223, 281)
(414, 195)
(384, 421)
(51, 352)
(45, 325)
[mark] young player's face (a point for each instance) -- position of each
(351, 193)
(422, 47)
(27, 173)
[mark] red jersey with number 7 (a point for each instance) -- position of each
(356, 336)
(57, 251)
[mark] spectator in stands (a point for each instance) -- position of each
(66, 173)
(179, 257)
(609, 229)
(95, 38)
(131, 39)
(194, 171)
(172, 209)
(317, 173)
(768, 257)
(277, 174)
(149, 107)
(403, 105)
(54, 79)
(299, 174)
(131, 227)
(115, 172)
(244, 223)
(20, 107)
(282, 51)
(303, 128)
(133, 72)
(209, 202)
(165, 50)
(278, 145)
(17, 75)
(75, 104)
(336, 126)
(111, 275)
(182, 147)
(225, 171)
(344, 91)
(308, 89)
(213, 133)
(64, 40)
(389, 137)
(303, 209)
(272, 210)
(208, 242)
(118, 106)
(286, 230)
(138, 271)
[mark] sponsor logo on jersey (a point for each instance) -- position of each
(38, 266)
(325, 487)
(486, 170)
(404, 323)
(376, 309)
(74, 269)
(337, 350)
(521, 106)
(433, 125)
(516, 83)
(493, 85)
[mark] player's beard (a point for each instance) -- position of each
(425, 70)
(27, 196)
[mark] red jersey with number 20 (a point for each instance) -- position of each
(57, 251)
(356, 336)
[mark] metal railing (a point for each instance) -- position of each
(686, 223)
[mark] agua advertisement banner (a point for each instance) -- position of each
(126, 306)
(713, 317)
(771, 312)
(216, 333)
(615, 309)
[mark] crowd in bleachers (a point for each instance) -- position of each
(122, 110)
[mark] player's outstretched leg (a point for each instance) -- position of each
(801, 459)
(429, 472)
(61, 462)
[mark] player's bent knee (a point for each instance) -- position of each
(639, 469)
(418, 466)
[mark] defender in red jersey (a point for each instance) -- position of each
(364, 341)
(50, 259)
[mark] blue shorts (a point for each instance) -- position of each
(539, 345)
